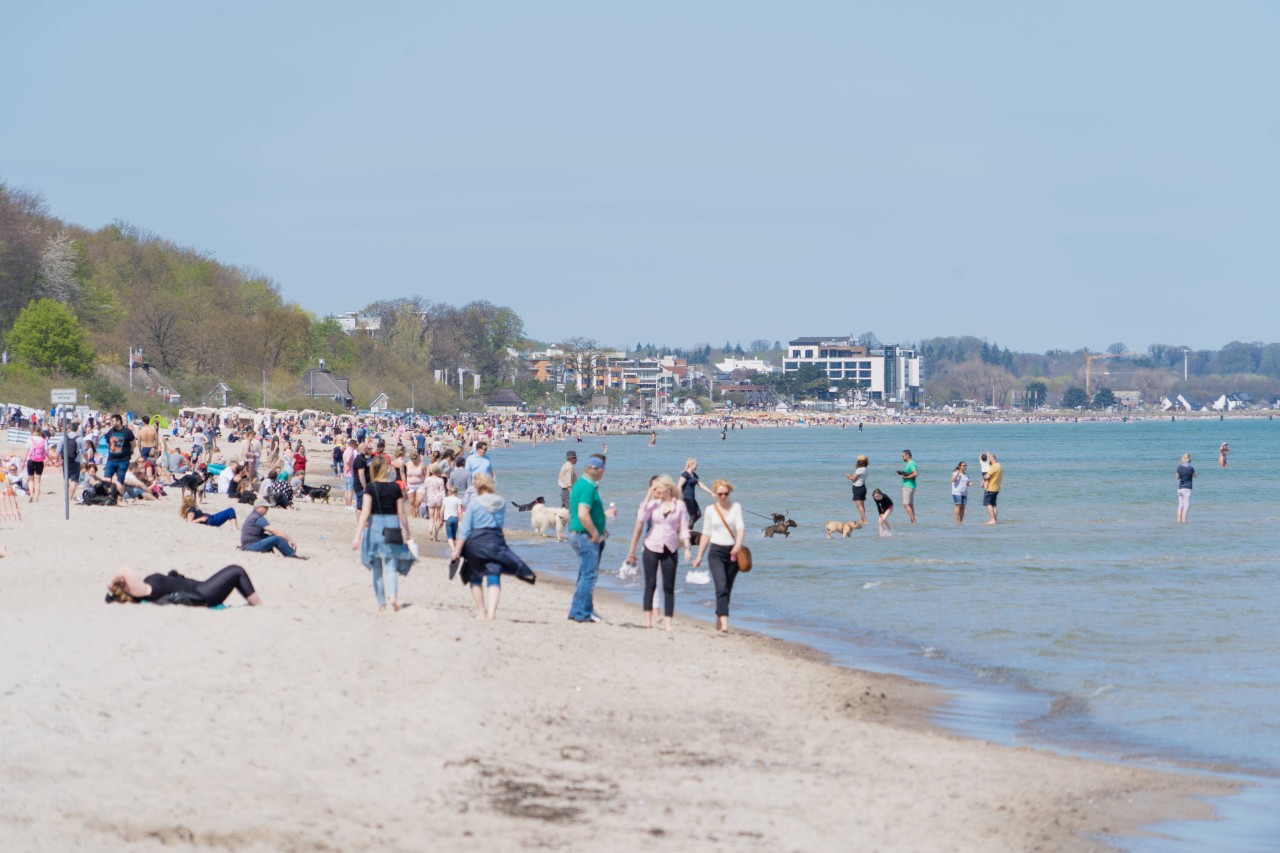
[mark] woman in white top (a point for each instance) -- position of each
(960, 489)
(722, 530)
(859, 480)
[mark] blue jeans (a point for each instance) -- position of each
(386, 581)
(116, 469)
(588, 567)
(220, 518)
(268, 543)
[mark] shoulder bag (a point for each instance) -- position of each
(744, 553)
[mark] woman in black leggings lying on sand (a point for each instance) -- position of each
(127, 588)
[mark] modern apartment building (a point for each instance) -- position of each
(885, 372)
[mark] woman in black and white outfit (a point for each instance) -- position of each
(722, 531)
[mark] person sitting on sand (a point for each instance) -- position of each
(127, 588)
(194, 515)
(484, 546)
(257, 535)
(279, 490)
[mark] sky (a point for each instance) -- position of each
(1041, 175)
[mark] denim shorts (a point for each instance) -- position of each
(990, 498)
(451, 528)
(960, 500)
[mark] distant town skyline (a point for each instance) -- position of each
(1041, 176)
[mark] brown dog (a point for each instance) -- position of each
(844, 528)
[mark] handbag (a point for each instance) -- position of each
(744, 553)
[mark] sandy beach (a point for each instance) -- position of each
(316, 723)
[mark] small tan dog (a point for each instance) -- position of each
(844, 528)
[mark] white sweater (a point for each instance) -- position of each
(714, 528)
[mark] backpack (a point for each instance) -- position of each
(73, 451)
(99, 495)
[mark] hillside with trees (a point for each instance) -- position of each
(74, 301)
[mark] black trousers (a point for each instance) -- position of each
(667, 562)
(723, 572)
(215, 590)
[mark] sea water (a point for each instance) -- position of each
(1087, 619)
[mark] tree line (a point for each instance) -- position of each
(75, 300)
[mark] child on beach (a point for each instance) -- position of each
(451, 506)
(884, 506)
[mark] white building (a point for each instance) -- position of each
(353, 322)
(887, 372)
(753, 365)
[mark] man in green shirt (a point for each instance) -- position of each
(908, 474)
(586, 536)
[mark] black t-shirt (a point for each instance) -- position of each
(120, 443)
(360, 463)
(883, 503)
(689, 486)
(383, 496)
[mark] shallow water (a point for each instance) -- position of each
(1086, 619)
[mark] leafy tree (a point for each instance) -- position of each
(1037, 392)
(1075, 398)
(103, 395)
(1104, 399)
(47, 336)
(1117, 349)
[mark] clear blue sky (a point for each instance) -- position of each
(1041, 174)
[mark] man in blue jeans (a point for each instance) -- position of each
(586, 536)
(257, 535)
(119, 451)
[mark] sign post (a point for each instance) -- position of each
(64, 399)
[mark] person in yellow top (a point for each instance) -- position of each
(991, 487)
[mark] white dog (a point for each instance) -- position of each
(544, 517)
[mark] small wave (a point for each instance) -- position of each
(1106, 688)
(931, 652)
(872, 584)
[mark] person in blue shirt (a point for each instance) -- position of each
(481, 542)
(1185, 474)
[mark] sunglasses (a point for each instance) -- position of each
(722, 494)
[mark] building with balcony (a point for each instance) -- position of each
(885, 373)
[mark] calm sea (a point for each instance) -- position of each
(1086, 620)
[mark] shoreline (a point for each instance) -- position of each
(315, 722)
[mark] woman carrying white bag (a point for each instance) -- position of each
(668, 521)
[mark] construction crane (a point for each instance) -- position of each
(1089, 359)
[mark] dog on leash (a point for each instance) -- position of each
(844, 528)
(315, 493)
(530, 505)
(545, 518)
(783, 527)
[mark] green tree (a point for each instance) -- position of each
(1037, 393)
(1104, 399)
(47, 336)
(1075, 398)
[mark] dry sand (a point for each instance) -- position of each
(316, 723)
